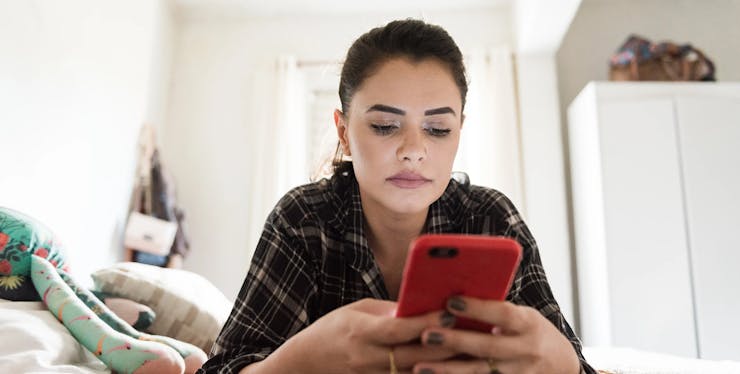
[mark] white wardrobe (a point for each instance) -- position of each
(655, 170)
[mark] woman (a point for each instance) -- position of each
(319, 296)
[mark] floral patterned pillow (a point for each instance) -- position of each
(17, 288)
(21, 236)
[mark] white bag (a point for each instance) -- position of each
(149, 234)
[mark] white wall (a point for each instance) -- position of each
(544, 174)
(77, 80)
(539, 27)
(209, 128)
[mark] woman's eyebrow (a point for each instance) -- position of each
(442, 110)
(386, 108)
(394, 110)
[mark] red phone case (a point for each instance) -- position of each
(483, 267)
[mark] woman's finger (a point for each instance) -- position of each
(509, 317)
(394, 331)
(407, 356)
(474, 366)
(475, 343)
(382, 327)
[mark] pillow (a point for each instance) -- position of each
(188, 307)
(17, 288)
(139, 316)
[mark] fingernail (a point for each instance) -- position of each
(447, 319)
(426, 371)
(456, 303)
(434, 338)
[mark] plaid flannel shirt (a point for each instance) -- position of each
(313, 257)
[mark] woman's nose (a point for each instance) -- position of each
(412, 147)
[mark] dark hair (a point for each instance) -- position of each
(413, 39)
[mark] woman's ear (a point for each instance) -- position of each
(340, 121)
(462, 120)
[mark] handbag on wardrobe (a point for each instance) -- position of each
(639, 59)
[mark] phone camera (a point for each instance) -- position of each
(443, 252)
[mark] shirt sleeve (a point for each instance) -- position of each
(273, 302)
(530, 286)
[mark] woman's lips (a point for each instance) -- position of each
(408, 179)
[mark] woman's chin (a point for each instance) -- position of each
(408, 205)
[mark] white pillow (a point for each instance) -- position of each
(188, 306)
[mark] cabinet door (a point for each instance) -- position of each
(647, 254)
(710, 149)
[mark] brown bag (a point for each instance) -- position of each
(638, 59)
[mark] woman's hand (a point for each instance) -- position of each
(359, 338)
(523, 341)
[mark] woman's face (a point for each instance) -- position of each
(402, 132)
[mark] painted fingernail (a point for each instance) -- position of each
(456, 303)
(426, 371)
(447, 319)
(434, 338)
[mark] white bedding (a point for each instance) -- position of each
(34, 341)
(633, 361)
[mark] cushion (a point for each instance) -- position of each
(188, 307)
(17, 288)
(139, 316)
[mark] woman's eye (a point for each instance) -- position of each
(383, 129)
(437, 132)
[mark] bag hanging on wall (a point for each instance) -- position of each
(149, 234)
(155, 232)
(639, 59)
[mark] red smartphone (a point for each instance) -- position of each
(441, 266)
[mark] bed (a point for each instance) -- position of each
(34, 341)
(620, 360)
(187, 306)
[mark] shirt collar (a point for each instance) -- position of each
(447, 214)
(438, 218)
(443, 216)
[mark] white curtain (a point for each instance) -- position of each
(279, 123)
(291, 127)
(490, 145)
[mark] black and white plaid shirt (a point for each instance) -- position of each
(313, 257)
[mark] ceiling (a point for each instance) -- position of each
(539, 25)
(263, 8)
